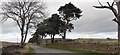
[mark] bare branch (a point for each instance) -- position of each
(108, 4)
(112, 4)
(109, 7)
(114, 12)
(102, 7)
(100, 3)
(116, 21)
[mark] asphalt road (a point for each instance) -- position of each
(0, 51)
(47, 51)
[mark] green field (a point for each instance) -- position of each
(103, 41)
(88, 46)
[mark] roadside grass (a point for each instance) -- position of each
(22, 50)
(27, 50)
(30, 49)
(79, 51)
(72, 50)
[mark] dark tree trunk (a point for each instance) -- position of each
(65, 31)
(41, 38)
(64, 36)
(25, 38)
(37, 39)
(118, 39)
(22, 33)
(22, 37)
(118, 18)
(52, 38)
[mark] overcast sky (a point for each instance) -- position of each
(94, 23)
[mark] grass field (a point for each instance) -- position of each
(86, 46)
(79, 51)
(103, 41)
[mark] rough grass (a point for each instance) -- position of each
(102, 41)
(26, 49)
(71, 49)
(77, 50)
(30, 49)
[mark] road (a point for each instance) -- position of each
(47, 51)
(0, 50)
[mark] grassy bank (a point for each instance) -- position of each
(26, 49)
(30, 49)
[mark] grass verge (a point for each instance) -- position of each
(30, 49)
(26, 49)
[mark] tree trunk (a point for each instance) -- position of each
(22, 37)
(41, 39)
(64, 36)
(52, 38)
(118, 39)
(26, 33)
(37, 39)
(25, 38)
(22, 33)
(118, 18)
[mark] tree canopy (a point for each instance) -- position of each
(50, 26)
(69, 13)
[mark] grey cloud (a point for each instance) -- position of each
(93, 20)
(9, 26)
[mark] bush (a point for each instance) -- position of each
(108, 38)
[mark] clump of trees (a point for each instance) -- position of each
(59, 24)
(50, 26)
(26, 14)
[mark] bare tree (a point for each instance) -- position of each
(116, 13)
(25, 13)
